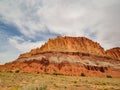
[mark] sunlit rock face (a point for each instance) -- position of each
(73, 44)
(114, 53)
(68, 44)
(69, 56)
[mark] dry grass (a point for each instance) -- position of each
(28, 81)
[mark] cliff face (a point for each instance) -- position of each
(69, 56)
(114, 53)
(68, 44)
(63, 68)
(73, 44)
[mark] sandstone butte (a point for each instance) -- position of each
(69, 56)
(74, 44)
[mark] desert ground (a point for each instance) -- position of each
(30, 81)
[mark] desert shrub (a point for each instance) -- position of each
(100, 83)
(103, 83)
(109, 76)
(55, 73)
(55, 85)
(105, 89)
(14, 88)
(17, 71)
(42, 87)
(10, 71)
(82, 74)
(75, 81)
(65, 87)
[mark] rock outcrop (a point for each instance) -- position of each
(68, 44)
(73, 44)
(114, 53)
(63, 68)
(69, 56)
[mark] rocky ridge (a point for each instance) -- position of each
(69, 56)
(114, 53)
(73, 44)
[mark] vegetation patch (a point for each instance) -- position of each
(83, 75)
(17, 71)
(30, 81)
(109, 76)
(75, 81)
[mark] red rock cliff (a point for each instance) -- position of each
(114, 53)
(68, 44)
(68, 56)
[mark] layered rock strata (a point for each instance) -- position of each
(68, 56)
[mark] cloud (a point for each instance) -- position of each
(38, 20)
(23, 45)
(12, 46)
(7, 52)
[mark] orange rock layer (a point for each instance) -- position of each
(73, 44)
(68, 44)
(114, 53)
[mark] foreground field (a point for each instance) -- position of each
(29, 81)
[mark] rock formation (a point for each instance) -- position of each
(69, 56)
(114, 53)
(73, 44)
(68, 44)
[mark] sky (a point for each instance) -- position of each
(27, 24)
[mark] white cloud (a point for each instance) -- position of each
(12, 46)
(96, 19)
(23, 45)
(7, 52)
(8, 56)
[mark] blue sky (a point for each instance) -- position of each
(27, 24)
